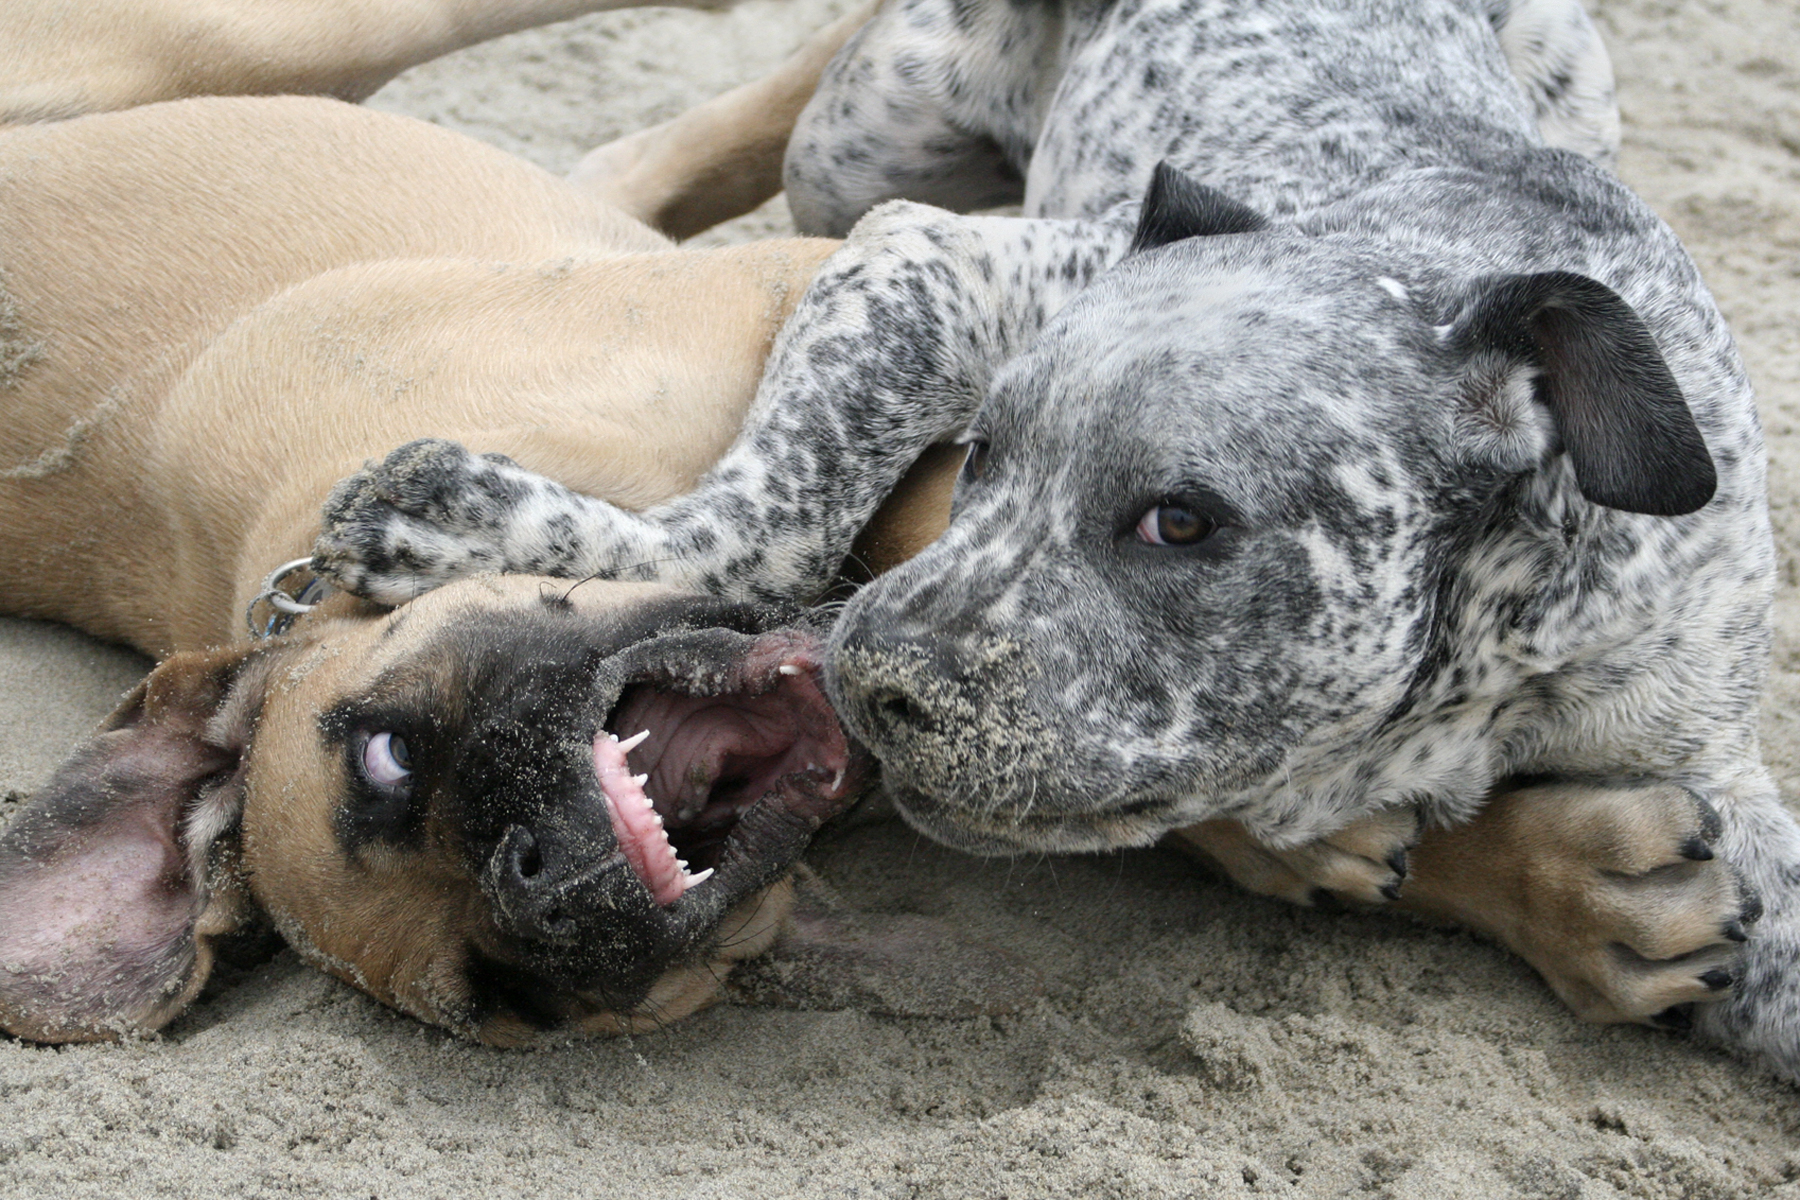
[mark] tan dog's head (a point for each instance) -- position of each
(430, 803)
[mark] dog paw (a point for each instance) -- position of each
(432, 512)
(1365, 862)
(1613, 893)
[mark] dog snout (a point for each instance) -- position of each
(899, 686)
(540, 884)
(949, 713)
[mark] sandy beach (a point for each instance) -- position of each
(1189, 1040)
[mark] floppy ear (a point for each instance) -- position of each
(1176, 207)
(115, 878)
(1592, 363)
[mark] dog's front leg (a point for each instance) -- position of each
(890, 350)
(1365, 862)
(1622, 896)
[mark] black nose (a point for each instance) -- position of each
(535, 896)
(894, 707)
(872, 680)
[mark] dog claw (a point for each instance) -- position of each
(1717, 979)
(1696, 850)
(1365, 863)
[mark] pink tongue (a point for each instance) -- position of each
(636, 825)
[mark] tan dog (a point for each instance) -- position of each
(256, 295)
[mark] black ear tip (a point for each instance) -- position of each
(1674, 490)
(1693, 488)
(1677, 496)
(1176, 207)
(1646, 455)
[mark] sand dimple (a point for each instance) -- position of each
(1191, 1041)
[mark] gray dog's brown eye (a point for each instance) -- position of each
(975, 463)
(1172, 525)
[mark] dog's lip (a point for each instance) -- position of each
(1139, 823)
(663, 767)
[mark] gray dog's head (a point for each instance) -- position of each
(1216, 527)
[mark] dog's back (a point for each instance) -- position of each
(1242, 103)
(193, 293)
(1067, 107)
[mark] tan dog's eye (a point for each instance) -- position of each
(386, 759)
(1173, 525)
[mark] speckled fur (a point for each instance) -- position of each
(1415, 600)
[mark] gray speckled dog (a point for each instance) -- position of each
(1388, 455)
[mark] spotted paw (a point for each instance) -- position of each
(1613, 892)
(1364, 863)
(433, 511)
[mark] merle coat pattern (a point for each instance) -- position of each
(1464, 473)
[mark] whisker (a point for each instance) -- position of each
(761, 899)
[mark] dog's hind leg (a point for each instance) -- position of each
(721, 158)
(66, 59)
(943, 102)
(933, 101)
(1561, 65)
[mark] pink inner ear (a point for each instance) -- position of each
(96, 911)
(119, 885)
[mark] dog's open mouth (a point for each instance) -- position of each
(683, 757)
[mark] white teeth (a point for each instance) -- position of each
(788, 669)
(696, 880)
(632, 743)
(649, 804)
(682, 863)
(640, 780)
(837, 781)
